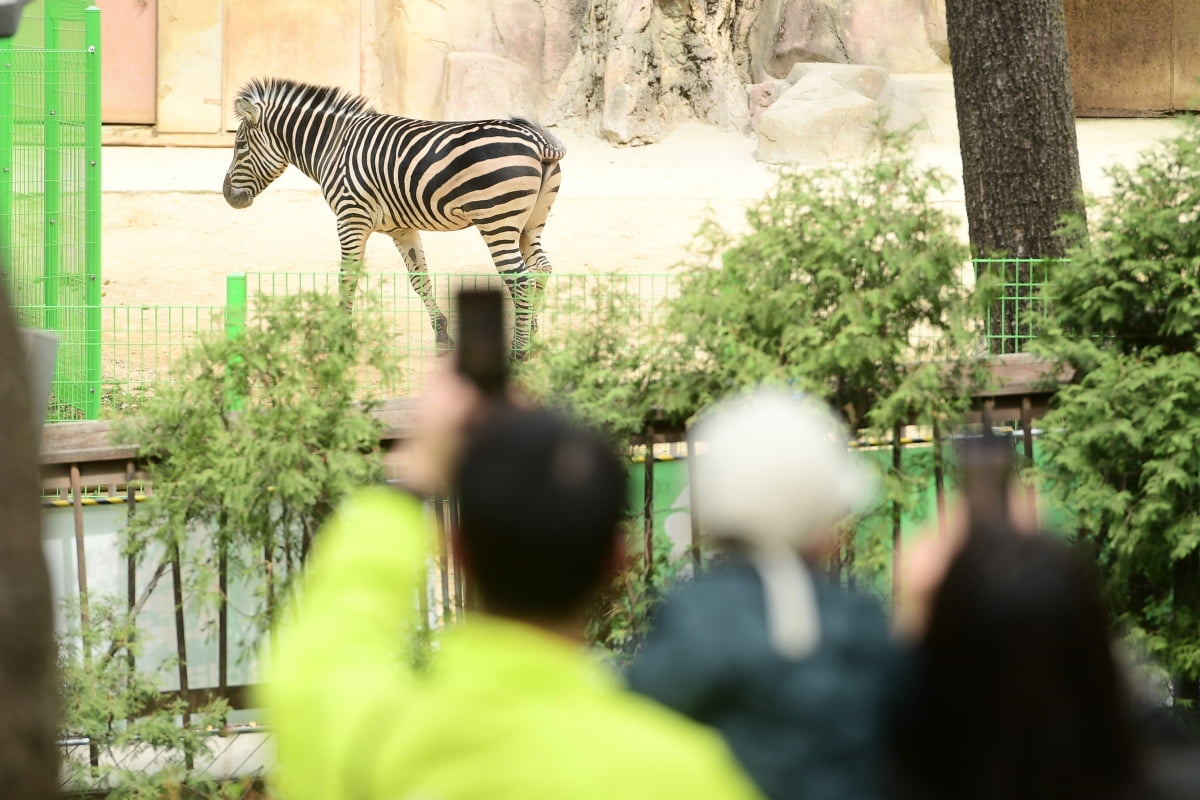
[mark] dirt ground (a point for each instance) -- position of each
(170, 238)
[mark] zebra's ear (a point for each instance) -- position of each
(246, 110)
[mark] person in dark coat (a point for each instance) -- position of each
(789, 667)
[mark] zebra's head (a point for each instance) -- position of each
(258, 158)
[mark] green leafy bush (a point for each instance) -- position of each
(256, 482)
(120, 710)
(1122, 444)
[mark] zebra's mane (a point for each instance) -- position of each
(285, 91)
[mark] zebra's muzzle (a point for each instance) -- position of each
(236, 197)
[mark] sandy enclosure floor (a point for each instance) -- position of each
(170, 238)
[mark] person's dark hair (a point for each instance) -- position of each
(541, 499)
(1017, 690)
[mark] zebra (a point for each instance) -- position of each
(399, 176)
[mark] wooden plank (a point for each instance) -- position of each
(89, 444)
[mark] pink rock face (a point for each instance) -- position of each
(761, 95)
(898, 35)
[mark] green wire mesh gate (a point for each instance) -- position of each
(50, 190)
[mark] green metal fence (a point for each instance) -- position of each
(50, 190)
(139, 344)
(1012, 322)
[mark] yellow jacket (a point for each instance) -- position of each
(504, 710)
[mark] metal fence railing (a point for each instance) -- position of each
(140, 344)
(50, 190)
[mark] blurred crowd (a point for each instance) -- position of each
(995, 675)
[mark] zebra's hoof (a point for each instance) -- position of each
(445, 345)
(520, 356)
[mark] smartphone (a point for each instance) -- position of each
(482, 356)
(988, 469)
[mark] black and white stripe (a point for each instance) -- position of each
(399, 176)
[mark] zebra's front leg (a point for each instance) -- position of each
(353, 242)
(409, 244)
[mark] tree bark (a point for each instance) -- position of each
(28, 696)
(1016, 122)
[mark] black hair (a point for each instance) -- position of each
(541, 499)
(1017, 692)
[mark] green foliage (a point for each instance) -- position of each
(1123, 454)
(119, 709)
(621, 617)
(252, 446)
(1122, 443)
(261, 479)
(599, 368)
(1135, 283)
(846, 284)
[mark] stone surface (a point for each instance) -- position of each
(631, 70)
(829, 111)
(824, 111)
(484, 86)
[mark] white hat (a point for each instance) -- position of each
(777, 468)
(776, 472)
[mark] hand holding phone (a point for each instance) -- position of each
(482, 356)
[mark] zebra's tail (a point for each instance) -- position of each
(550, 149)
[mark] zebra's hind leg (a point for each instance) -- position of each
(522, 286)
(408, 242)
(531, 239)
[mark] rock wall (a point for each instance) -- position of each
(630, 70)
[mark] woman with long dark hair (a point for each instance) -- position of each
(1014, 690)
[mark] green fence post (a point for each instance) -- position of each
(235, 320)
(7, 122)
(91, 204)
(51, 170)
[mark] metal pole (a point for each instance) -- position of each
(8, 120)
(92, 205)
(1027, 440)
(896, 522)
(80, 558)
(51, 171)
(235, 322)
(443, 557)
(181, 640)
(648, 503)
(939, 479)
(693, 508)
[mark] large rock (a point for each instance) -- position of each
(831, 111)
(898, 35)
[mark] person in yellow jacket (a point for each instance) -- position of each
(511, 705)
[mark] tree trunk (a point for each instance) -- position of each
(28, 707)
(1016, 123)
